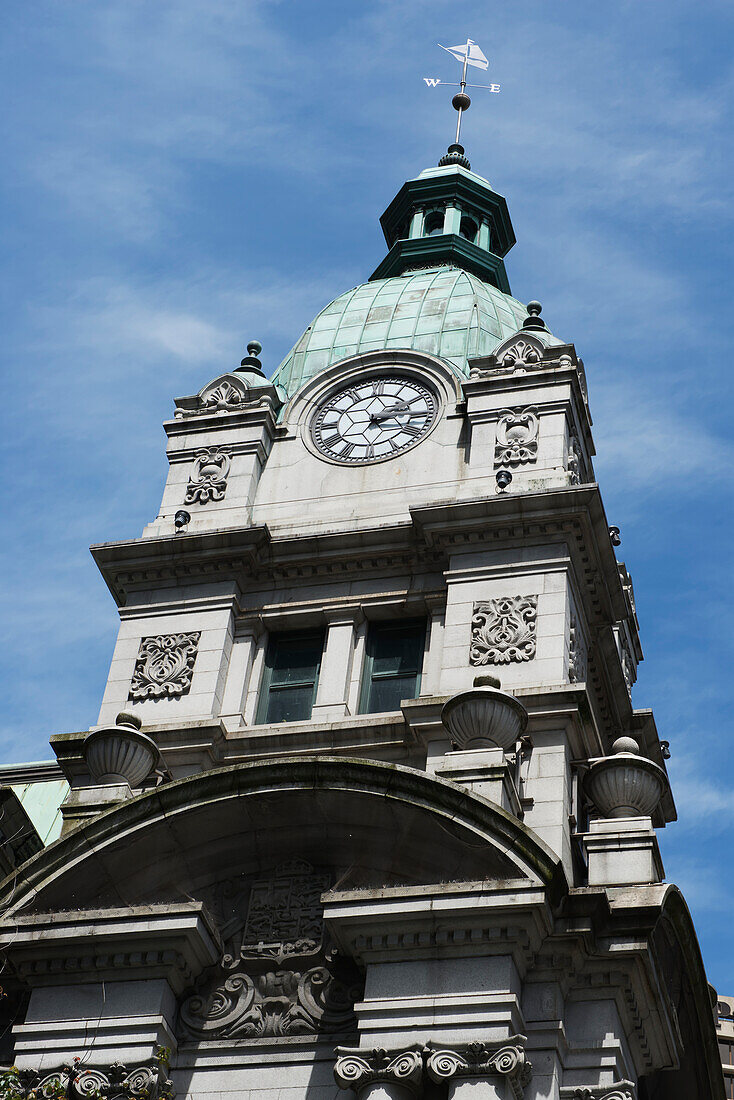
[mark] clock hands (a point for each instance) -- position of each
(387, 414)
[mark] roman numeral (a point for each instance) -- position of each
(347, 451)
(411, 430)
(378, 388)
(331, 440)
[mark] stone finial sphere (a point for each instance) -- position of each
(254, 347)
(625, 744)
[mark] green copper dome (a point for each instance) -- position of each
(443, 311)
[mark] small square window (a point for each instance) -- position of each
(393, 664)
(290, 679)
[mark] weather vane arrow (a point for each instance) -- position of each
(468, 54)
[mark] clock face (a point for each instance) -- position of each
(375, 419)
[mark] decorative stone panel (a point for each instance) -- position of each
(278, 974)
(504, 630)
(517, 437)
(208, 479)
(522, 354)
(164, 666)
(356, 1068)
(226, 392)
(577, 654)
(501, 1059)
(82, 1082)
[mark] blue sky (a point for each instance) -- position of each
(184, 176)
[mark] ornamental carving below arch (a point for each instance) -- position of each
(278, 974)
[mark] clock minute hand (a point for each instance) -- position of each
(386, 414)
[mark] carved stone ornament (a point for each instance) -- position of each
(225, 393)
(503, 630)
(620, 1090)
(164, 666)
(577, 654)
(356, 1068)
(517, 437)
(208, 479)
(82, 1082)
(500, 1059)
(574, 461)
(278, 974)
(522, 354)
(629, 669)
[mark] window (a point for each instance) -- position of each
(290, 679)
(726, 1052)
(393, 664)
(433, 223)
(729, 1082)
(468, 228)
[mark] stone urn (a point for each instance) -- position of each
(484, 717)
(120, 753)
(625, 784)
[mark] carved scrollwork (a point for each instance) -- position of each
(356, 1068)
(277, 975)
(224, 393)
(480, 1059)
(620, 1090)
(517, 437)
(504, 630)
(208, 480)
(80, 1082)
(577, 654)
(164, 666)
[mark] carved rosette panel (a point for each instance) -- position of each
(577, 654)
(77, 1082)
(517, 437)
(506, 1060)
(504, 630)
(164, 666)
(208, 480)
(355, 1068)
(278, 975)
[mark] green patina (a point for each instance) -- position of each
(443, 311)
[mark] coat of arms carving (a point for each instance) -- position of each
(278, 974)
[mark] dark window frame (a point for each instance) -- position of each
(270, 690)
(369, 678)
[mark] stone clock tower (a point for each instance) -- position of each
(367, 806)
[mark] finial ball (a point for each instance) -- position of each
(534, 308)
(254, 347)
(461, 102)
(625, 744)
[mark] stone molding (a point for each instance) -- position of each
(164, 666)
(620, 1090)
(208, 480)
(504, 630)
(355, 1068)
(492, 1059)
(77, 1081)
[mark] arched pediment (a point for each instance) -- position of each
(367, 823)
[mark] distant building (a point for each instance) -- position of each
(725, 1033)
(311, 844)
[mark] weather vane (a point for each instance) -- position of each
(468, 54)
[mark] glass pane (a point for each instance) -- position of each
(396, 650)
(295, 660)
(291, 704)
(387, 694)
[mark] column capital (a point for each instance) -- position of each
(620, 1090)
(503, 1058)
(356, 1068)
